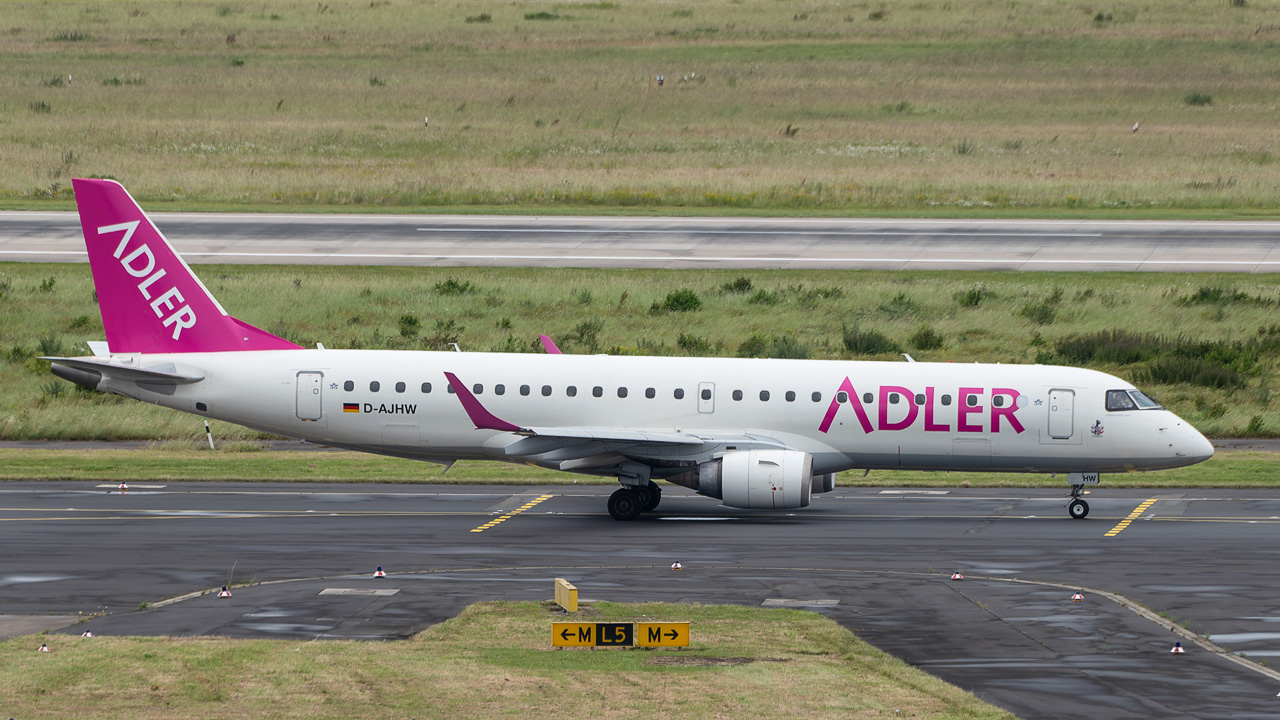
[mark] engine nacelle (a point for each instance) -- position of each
(775, 479)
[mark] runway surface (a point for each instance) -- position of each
(889, 244)
(877, 561)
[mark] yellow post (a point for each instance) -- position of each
(566, 595)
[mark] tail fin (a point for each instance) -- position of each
(151, 302)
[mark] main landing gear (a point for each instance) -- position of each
(1078, 508)
(627, 502)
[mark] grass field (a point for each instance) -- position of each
(791, 106)
(1236, 469)
(493, 660)
(1206, 345)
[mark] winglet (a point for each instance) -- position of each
(483, 419)
(549, 346)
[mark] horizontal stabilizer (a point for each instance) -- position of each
(155, 376)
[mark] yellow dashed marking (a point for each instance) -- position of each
(1132, 516)
(507, 516)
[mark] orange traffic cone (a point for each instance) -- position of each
(956, 575)
(44, 648)
(378, 573)
(225, 592)
(1078, 597)
(1177, 649)
(676, 565)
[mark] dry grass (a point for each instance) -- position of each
(304, 103)
(493, 660)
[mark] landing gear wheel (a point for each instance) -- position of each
(624, 504)
(655, 496)
(1079, 509)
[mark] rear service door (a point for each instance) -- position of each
(309, 396)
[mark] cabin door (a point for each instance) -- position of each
(1062, 414)
(309, 396)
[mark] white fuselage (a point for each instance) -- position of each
(931, 416)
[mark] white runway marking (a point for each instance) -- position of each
(704, 259)
(860, 233)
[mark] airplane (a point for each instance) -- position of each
(753, 433)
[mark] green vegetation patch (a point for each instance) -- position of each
(492, 660)
(1210, 356)
(242, 462)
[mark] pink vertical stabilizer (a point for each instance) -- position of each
(150, 300)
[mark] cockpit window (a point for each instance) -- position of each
(1144, 402)
(1119, 400)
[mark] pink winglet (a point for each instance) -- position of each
(483, 419)
(549, 346)
(151, 302)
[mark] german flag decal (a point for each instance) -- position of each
(351, 407)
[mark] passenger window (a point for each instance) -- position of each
(817, 397)
(524, 390)
(919, 399)
(348, 386)
(893, 398)
(737, 394)
(622, 392)
(1119, 400)
(400, 387)
(679, 393)
(426, 387)
(597, 391)
(499, 389)
(791, 396)
(450, 387)
(946, 399)
(764, 396)
(997, 401)
(650, 393)
(706, 393)
(868, 398)
(546, 391)
(373, 386)
(571, 391)
(971, 400)
(842, 397)
(478, 389)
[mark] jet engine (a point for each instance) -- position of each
(774, 479)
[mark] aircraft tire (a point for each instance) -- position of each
(625, 504)
(1078, 509)
(655, 497)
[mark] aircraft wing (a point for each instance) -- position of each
(571, 448)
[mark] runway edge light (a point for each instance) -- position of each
(1177, 649)
(225, 593)
(676, 565)
(86, 634)
(44, 647)
(378, 573)
(123, 487)
(956, 575)
(1078, 597)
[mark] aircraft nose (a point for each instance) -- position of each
(1193, 446)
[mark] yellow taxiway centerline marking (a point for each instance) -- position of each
(1132, 516)
(508, 515)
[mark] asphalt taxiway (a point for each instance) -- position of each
(679, 242)
(300, 560)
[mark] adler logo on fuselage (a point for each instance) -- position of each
(141, 263)
(961, 417)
